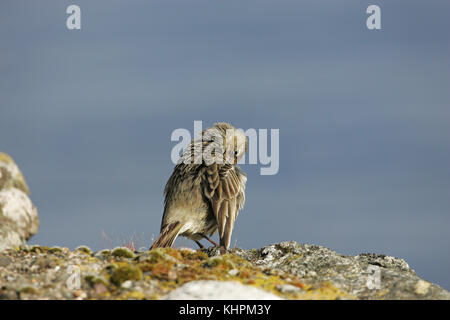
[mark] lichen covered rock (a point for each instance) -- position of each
(286, 270)
(18, 216)
(8, 236)
(10, 175)
(366, 276)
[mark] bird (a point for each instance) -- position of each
(206, 190)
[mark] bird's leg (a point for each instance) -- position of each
(210, 240)
(222, 248)
(199, 244)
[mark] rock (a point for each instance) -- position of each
(122, 252)
(366, 276)
(8, 236)
(100, 289)
(17, 211)
(286, 270)
(218, 290)
(233, 272)
(421, 287)
(288, 288)
(18, 216)
(127, 284)
(10, 175)
(5, 261)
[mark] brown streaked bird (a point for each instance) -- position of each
(206, 189)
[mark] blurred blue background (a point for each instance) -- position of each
(364, 117)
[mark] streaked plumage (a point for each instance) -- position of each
(202, 198)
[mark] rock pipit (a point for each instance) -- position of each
(206, 189)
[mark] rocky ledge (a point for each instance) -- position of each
(287, 270)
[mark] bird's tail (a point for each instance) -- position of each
(167, 236)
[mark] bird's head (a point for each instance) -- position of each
(226, 140)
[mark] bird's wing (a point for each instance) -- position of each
(224, 189)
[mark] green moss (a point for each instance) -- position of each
(123, 252)
(28, 290)
(91, 259)
(93, 280)
(157, 254)
(172, 268)
(152, 256)
(174, 253)
(110, 268)
(222, 262)
(84, 249)
(133, 295)
(39, 249)
(104, 253)
(193, 255)
(126, 272)
(54, 250)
